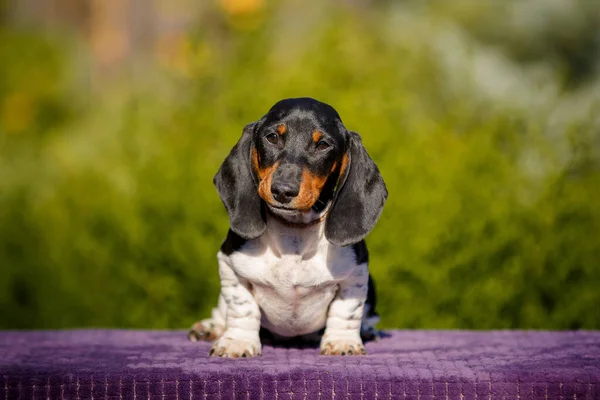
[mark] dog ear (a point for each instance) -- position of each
(360, 198)
(237, 186)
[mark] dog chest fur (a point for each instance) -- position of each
(293, 274)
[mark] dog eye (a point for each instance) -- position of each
(273, 138)
(322, 145)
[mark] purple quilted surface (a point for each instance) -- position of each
(404, 364)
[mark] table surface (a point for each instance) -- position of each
(403, 364)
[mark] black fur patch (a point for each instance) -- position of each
(233, 242)
(361, 252)
(371, 298)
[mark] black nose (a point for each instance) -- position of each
(284, 192)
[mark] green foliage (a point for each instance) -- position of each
(108, 216)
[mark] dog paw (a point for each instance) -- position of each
(235, 348)
(206, 329)
(343, 347)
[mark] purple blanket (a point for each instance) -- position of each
(120, 364)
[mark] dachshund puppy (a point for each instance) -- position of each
(301, 193)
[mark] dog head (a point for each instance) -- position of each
(300, 163)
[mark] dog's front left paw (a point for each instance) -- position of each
(343, 347)
(235, 348)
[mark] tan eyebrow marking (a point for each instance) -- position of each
(316, 136)
(281, 129)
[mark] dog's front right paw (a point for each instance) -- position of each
(235, 348)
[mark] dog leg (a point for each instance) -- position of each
(242, 326)
(210, 328)
(342, 331)
(370, 316)
(367, 327)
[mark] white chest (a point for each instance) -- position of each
(294, 277)
(292, 262)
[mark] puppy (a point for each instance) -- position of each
(301, 193)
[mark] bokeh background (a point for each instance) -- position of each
(483, 117)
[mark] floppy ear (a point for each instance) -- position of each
(237, 187)
(360, 198)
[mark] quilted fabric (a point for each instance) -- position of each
(118, 364)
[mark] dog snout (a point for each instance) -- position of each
(286, 183)
(284, 191)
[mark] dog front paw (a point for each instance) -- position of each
(206, 329)
(343, 347)
(235, 348)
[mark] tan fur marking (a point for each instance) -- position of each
(344, 165)
(316, 136)
(265, 176)
(281, 129)
(310, 190)
(254, 159)
(333, 167)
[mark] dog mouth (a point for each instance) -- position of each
(289, 211)
(296, 217)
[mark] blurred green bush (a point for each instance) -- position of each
(108, 216)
